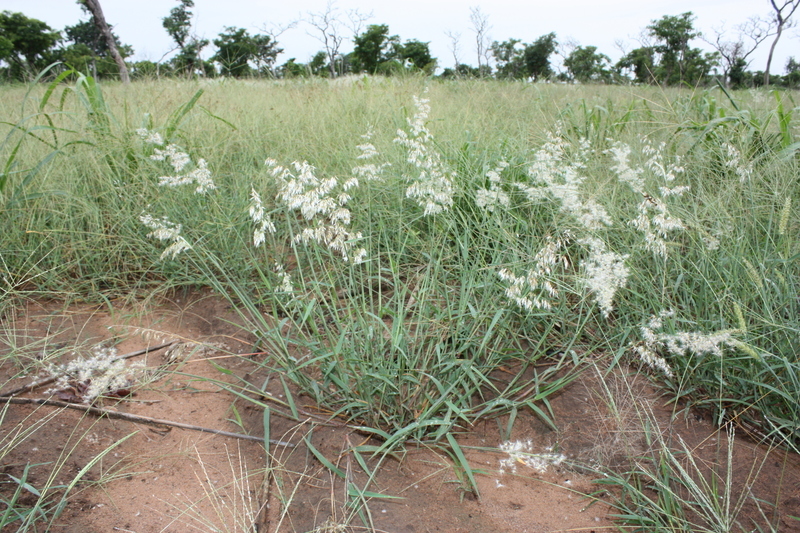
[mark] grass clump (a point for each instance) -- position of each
(391, 277)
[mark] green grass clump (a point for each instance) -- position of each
(508, 222)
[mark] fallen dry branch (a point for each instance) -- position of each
(110, 413)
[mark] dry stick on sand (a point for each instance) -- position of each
(110, 413)
(51, 379)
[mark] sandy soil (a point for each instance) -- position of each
(164, 478)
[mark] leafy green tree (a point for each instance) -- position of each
(293, 69)
(179, 22)
(26, 44)
(6, 47)
(738, 75)
(461, 71)
(265, 51)
(234, 50)
(179, 26)
(537, 56)
(640, 61)
(677, 61)
(319, 64)
(510, 59)
(144, 70)
(417, 55)
(188, 59)
(792, 78)
(673, 34)
(377, 51)
(373, 47)
(585, 64)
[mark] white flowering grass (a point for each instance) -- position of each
(179, 160)
(164, 230)
(605, 273)
(368, 170)
(521, 453)
(262, 220)
(537, 288)
(494, 196)
(432, 187)
(654, 220)
(322, 202)
(557, 175)
(88, 378)
(736, 163)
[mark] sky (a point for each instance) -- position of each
(601, 23)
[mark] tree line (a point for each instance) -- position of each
(665, 55)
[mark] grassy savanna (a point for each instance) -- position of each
(391, 243)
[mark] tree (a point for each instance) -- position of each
(733, 54)
(481, 27)
(372, 48)
(100, 21)
(461, 71)
(330, 28)
(319, 64)
(667, 58)
(737, 75)
(673, 34)
(179, 22)
(537, 56)
(89, 50)
(792, 78)
(509, 57)
(26, 44)
(293, 69)
(236, 48)
(265, 51)
(417, 55)
(585, 64)
(376, 51)
(144, 70)
(179, 26)
(454, 46)
(782, 18)
(6, 48)
(640, 61)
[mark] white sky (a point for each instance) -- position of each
(599, 23)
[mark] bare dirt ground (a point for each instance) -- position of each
(164, 478)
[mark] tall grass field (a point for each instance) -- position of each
(392, 242)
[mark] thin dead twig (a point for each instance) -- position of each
(110, 413)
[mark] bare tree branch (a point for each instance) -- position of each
(276, 30)
(356, 21)
(750, 34)
(330, 30)
(481, 27)
(567, 46)
(454, 47)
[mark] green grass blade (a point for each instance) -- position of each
(177, 117)
(463, 464)
(322, 459)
